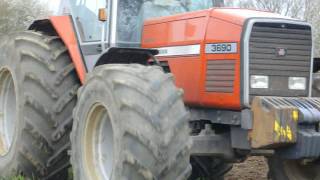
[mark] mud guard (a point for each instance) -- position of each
(62, 26)
(115, 55)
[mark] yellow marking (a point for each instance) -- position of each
(295, 115)
(289, 133)
(277, 129)
(283, 132)
(276, 126)
(280, 131)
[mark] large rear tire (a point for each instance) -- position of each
(38, 88)
(130, 123)
(280, 169)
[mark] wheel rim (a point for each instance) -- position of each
(98, 143)
(7, 111)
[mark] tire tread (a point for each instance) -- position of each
(46, 67)
(156, 97)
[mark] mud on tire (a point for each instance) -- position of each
(130, 123)
(44, 95)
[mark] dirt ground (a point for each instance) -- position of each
(255, 168)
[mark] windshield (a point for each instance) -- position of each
(132, 14)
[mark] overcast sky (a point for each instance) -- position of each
(52, 4)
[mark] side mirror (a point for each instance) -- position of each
(103, 14)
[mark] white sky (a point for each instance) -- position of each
(52, 4)
(91, 4)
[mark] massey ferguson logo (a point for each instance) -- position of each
(281, 51)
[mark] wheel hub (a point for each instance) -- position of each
(98, 143)
(7, 111)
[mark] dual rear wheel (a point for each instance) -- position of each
(129, 122)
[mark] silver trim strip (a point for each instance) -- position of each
(246, 40)
(179, 50)
(312, 61)
(103, 37)
(107, 33)
(114, 20)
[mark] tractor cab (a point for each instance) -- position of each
(123, 20)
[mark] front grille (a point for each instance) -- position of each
(220, 76)
(280, 50)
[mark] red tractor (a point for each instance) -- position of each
(159, 89)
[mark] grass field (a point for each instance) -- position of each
(13, 178)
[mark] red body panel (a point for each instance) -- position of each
(201, 27)
(64, 27)
(221, 32)
(194, 28)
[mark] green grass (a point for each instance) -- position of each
(19, 177)
(13, 178)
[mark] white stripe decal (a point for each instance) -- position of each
(179, 50)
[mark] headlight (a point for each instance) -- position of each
(297, 83)
(259, 82)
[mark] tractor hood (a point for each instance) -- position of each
(232, 15)
(208, 52)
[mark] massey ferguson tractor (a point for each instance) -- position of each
(157, 90)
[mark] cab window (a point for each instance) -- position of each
(132, 14)
(85, 14)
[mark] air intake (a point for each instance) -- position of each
(220, 76)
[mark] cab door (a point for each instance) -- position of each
(91, 32)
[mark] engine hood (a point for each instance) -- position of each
(233, 15)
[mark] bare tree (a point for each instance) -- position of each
(312, 15)
(218, 3)
(6, 14)
(16, 15)
(307, 10)
(290, 8)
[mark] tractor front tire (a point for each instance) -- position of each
(38, 88)
(130, 123)
(280, 169)
(208, 168)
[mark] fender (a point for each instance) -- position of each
(63, 27)
(115, 55)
